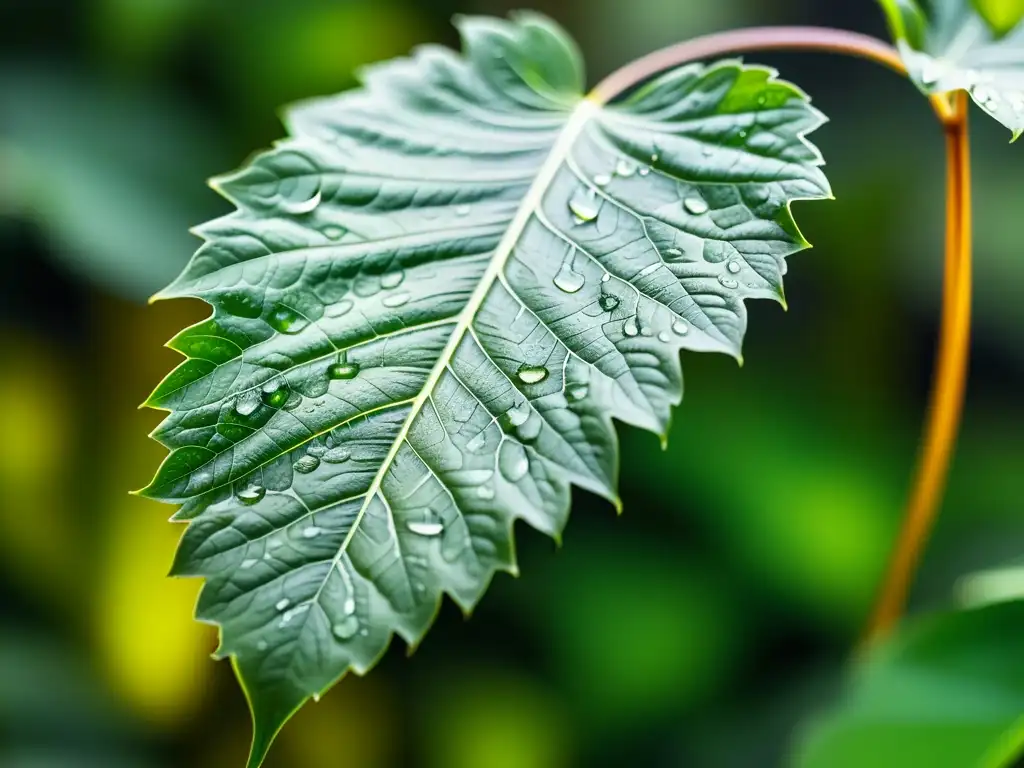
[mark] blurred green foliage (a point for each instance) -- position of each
(748, 552)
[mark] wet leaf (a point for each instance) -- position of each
(954, 47)
(432, 300)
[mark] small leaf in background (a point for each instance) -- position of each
(105, 172)
(959, 50)
(430, 303)
(946, 692)
(1001, 15)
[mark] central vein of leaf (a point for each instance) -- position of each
(580, 117)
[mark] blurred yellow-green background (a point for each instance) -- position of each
(698, 629)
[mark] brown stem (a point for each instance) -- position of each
(946, 403)
(760, 39)
(949, 385)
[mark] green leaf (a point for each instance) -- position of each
(1001, 15)
(432, 300)
(954, 48)
(946, 693)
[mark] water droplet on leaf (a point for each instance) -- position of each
(283, 604)
(485, 492)
(337, 455)
(728, 282)
(334, 233)
(585, 205)
(392, 279)
(284, 319)
(306, 464)
(696, 205)
(477, 443)
(248, 563)
(396, 300)
(343, 371)
(568, 279)
(311, 532)
(513, 461)
(302, 207)
(248, 402)
(532, 374)
(630, 327)
(602, 179)
(346, 629)
(608, 302)
(625, 168)
(734, 267)
(577, 392)
(252, 494)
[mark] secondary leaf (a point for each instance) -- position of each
(952, 47)
(432, 300)
(947, 693)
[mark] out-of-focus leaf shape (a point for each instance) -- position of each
(946, 693)
(107, 173)
(429, 306)
(952, 48)
(1001, 15)
(53, 713)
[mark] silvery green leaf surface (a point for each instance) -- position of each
(950, 46)
(431, 303)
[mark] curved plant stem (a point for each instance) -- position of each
(821, 39)
(949, 383)
(946, 403)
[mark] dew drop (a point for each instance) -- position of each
(350, 606)
(584, 205)
(343, 371)
(512, 461)
(485, 492)
(532, 374)
(346, 629)
(396, 300)
(306, 464)
(673, 253)
(283, 603)
(477, 443)
(301, 207)
(568, 279)
(334, 233)
(247, 564)
(462, 210)
(664, 337)
(337, 455)
(316, 698)
(340, 309)
(680, 328)
(625, 168)
(248, 402)
(644, 171)
(277, 396)
(696, 205)
(734, 267)
(316, 448)
(425, 527)
(602, 179)
(284, 319)
(261, 645)
(630, 327)
(608, 302)
(530, 430)
(577, 392)
(392, 279)
(605, 277)
(654, 157)
(310, 532)
(252, 494)
(518, 414)
(762, 99)
(364, 632)
(728, 282)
